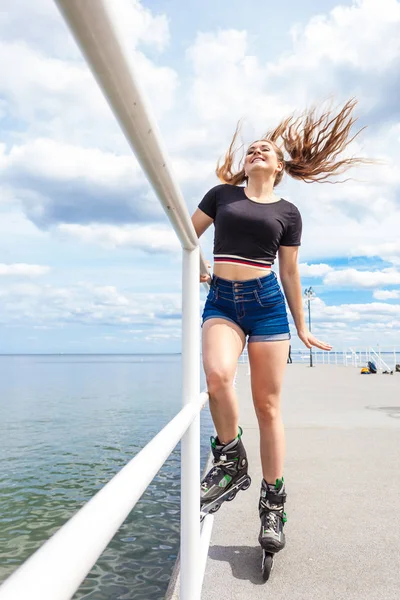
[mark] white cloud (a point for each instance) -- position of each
(61, 99)
(23, 270)
(340, 47)
(136, 24)
(83, 303)
(389, 251)
(386, 294)
(349, 35)
(55, 92)
(41, 24)
(373, 311)
(147, 238)
(59, 182)
(240, 84)
(49, 159)
(364, 279)
(358, 324)
(314, 270)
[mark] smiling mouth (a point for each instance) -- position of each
(258, 158)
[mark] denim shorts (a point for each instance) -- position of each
(256, 305)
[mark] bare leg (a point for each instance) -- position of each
(223, 343)
(267, 363)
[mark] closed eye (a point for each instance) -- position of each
(263, 149)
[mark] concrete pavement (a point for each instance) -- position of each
(343, 483)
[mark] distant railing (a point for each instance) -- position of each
(56, 570)
(384, 357)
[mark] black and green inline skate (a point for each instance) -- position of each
(227, 476)
(273, 518)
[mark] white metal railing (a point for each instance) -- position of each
(56, 570)
(385, 357)
(377, 357)
(59, 566)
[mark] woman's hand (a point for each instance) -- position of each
(309, 340)
(206, 278)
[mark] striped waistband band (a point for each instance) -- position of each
(242, 260)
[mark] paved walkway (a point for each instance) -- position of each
(343, 483)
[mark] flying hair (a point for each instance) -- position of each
(313, 143)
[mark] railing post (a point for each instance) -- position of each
(190, 446)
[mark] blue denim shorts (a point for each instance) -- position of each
(256, 305)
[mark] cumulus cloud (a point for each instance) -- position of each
(53, 91)
(63, 183)
(151, 239)
(386, 294)
(356, 322)
(137, 24)
(373, 311)
(314, 270)
(389, 251)
(341, 47)
(23, 270)
(363, 279)
(330, 36)
(39, 24)
(87, 304)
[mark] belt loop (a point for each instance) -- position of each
(259, 282)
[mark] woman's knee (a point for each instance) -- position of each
(218, 380)
(268, 410)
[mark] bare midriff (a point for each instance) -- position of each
(238, 272)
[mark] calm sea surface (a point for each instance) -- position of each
(67, 425)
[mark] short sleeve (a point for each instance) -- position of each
(209, 203)
(292, 233)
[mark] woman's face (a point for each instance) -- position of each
(261, 156)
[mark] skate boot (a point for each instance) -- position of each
(273, 518)
(227, 476)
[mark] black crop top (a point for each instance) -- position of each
(249, 232)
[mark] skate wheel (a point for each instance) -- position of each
(214, 509)
(267, 564)
(246, 485)
(231, 497)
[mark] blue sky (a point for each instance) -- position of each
(88, 261)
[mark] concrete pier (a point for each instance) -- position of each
(342, 474)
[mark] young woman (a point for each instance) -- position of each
(253, 226)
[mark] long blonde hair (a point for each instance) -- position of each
(313, 143)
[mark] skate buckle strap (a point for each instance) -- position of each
(272, 496)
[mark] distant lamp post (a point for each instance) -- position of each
(309, 295)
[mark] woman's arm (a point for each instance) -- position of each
(201, 221)
(290, 278)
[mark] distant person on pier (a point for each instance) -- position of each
(290, 355)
